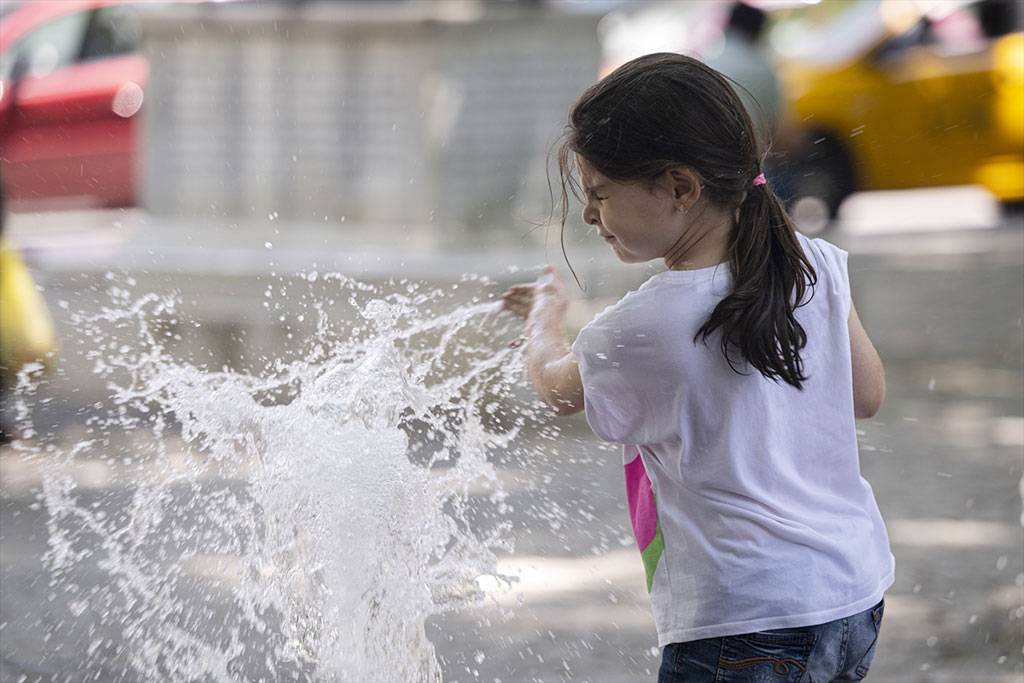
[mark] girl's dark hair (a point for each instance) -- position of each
(666, 110)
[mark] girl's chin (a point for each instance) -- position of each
(624, 255)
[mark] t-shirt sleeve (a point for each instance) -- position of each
(624, 394)
(834, 261)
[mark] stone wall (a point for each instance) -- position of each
(387, 113)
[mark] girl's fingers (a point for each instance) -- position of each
(518, 295)
(519, 307)
(519, 290)
(518, 299)
(517, 302)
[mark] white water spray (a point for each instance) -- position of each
(332, 494)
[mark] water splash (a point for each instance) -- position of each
(329, 496)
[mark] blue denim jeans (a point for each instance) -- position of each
(840, 650)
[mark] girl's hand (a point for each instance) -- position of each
(519, 300)
(549, 359)
(545, 298)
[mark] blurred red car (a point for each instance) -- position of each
(71, 89)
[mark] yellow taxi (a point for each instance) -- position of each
(900, 94)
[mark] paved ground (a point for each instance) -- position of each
(945, 457)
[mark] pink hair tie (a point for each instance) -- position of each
(759, 180)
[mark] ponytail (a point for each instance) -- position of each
(771, 275)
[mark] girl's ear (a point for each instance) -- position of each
(685, 186)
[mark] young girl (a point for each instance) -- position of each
(733, 380)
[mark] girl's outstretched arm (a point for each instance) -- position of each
(551, 363)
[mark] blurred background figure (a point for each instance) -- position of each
(745, 59)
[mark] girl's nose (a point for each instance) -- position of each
(589, 215)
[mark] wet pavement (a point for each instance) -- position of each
(945, 457)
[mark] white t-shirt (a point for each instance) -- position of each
(745, 494)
